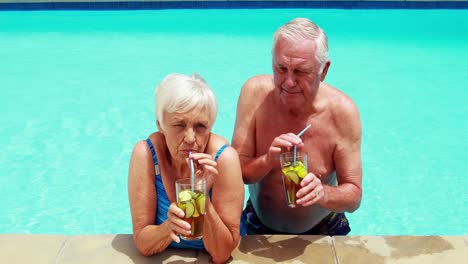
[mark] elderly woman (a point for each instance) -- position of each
(186, 110)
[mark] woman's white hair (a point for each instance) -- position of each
(179, 93)
(300, 29)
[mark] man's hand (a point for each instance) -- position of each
(282, 143)
(312, 191)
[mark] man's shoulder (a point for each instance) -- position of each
(261, 78)
(339, 100)
(344, 110)
(259, 84)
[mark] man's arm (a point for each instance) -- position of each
(347, 158)
(244, 139)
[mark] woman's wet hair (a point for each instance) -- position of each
(179, 93)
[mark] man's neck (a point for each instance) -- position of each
(311, 109)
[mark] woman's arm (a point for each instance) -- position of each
(222, 220)
(149, 238)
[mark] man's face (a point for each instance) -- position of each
(296, 71)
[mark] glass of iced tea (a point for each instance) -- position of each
(191, 199)
(293, 171)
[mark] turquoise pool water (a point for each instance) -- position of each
(77, 93)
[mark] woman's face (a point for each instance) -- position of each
(185, 132)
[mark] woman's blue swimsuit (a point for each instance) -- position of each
(163, 201)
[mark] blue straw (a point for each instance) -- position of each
(295, 150)
(192, 171)
(304, 130)
(300, 134)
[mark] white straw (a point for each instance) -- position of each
(304, 130)
(300, 134)
(192, 171)
(295, 150)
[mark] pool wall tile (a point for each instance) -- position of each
(210, 4)
(401, 249)
(285, 249)
(120, 249)
(37, 249)
(116, 249)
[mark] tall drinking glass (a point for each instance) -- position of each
(191, 199)
(294, 169)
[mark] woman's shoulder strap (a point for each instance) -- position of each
(223, 147)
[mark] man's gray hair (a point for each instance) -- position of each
(179, 93)
(300, 29)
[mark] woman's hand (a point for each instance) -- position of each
(177, 224)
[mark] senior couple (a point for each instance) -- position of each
(294, 96)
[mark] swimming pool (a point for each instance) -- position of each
(77, 93)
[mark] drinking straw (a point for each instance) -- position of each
(192, 171)
(300, 134)
(295, 150)
(304, 130)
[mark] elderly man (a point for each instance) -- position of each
(271, 110)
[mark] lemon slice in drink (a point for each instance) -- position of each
(195, 195)
(299, 163)
(181, 205)
(195, 211)
(287, 169)
(293, 176)
(185, 196)
(201, 203)
(301, 173)
(189, 209)
(300, 170)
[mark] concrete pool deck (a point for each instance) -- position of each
(120, 249)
